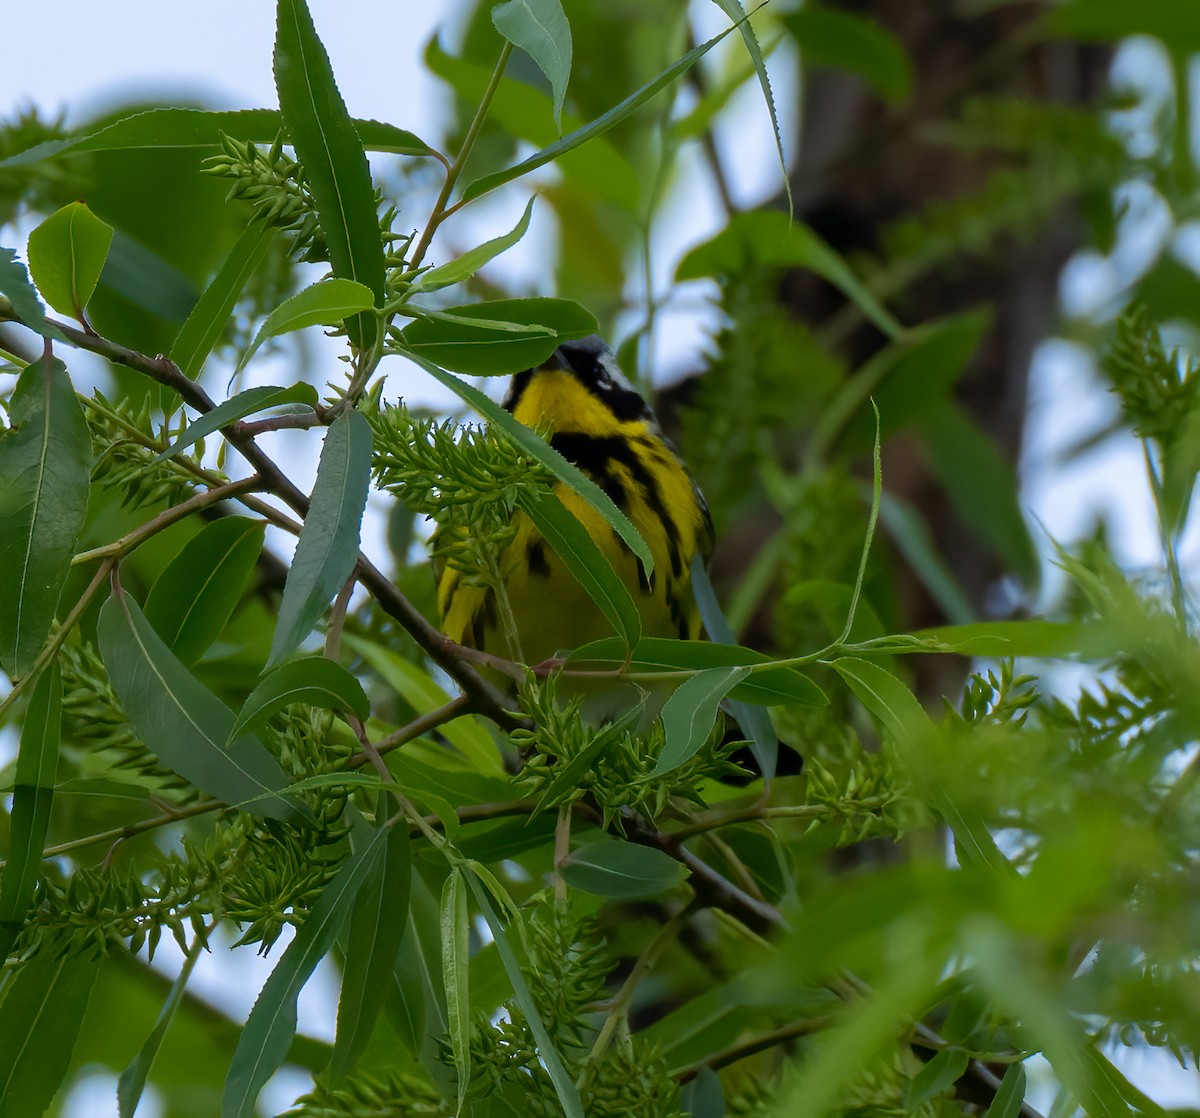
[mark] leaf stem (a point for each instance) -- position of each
(440, 212)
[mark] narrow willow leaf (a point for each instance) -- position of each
(526, 113)
(329, 149)
(456, 941)
(325, 303)
(766, 685)
(45, 473)
(573, 544)
(183, 722)
(206, 322)
(417, 997)
(271, 1026)
(314, 680)
(853, 42)
(912, 537)
(935, 1078)
(564, 1085)
(15, 286)
(754, 721)
(133, 1079)
(1177, 25)
(238, 407)
(1034, 637)
(621, 869)
(456, 271)
(197, 592)
(328, 545)
(66, 255)
(377, 924)
(689, 714)
(898, 709)
(734, 10)
(538, 448)
(43, 1010)
(1011, 1096)
(982, 486)
(498, 337)
(768, 238)
(33, 792)
(704, 1097)
(597, 127)
(541, 30)
(198, 128)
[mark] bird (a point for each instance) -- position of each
(591, 414)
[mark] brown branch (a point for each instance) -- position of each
(746, 1048)
(485, 698)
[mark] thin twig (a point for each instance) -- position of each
(746, 1048)
(440, 213)
(122, 547)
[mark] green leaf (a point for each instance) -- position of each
(66, 254)
(45, 474)
(329, 149)
(564, 1086)
(315, 680)
(766, 686)
(133, 1079)
(982, 486)
(377, 924)
(597, 127)
(197, 592)
(197, 128)
(537, 447)
(768, 238)
(734, 10)
(904, 717)
(1104, 21)
(755, 722)
(541, 30)
(456, 954)
(621, 869)
(325, 303)
(328, 545)
(935, 1078)
(417, 1005)
(1034, 638)
(1011, 1096)
(690, 712)
(238, 407)
(456, 271)
(575, 547)
(206, 323)
(852, 42)
(43, 1010)
(704, 1096)
(183, 722)
(271, 1026)
(498, 337)
(33, 793)
(911, 535)
(526, 113)
(926, 370)
(15, 286)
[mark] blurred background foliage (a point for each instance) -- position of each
(950, 158)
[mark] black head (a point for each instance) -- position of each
(592, 363)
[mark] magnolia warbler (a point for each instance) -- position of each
(594, 417)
